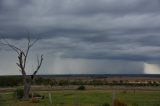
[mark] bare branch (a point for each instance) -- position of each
(13, 47)
(16, 49)
(29, 45)
(32, 43)
(18, 65)
(39, 63)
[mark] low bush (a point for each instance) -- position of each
(19, 93)
(105, 104)
(82, 87)
(35, 100)
(118, 102)
(135, 104)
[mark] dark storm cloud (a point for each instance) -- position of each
(152, 40)
(113, 7)
(92, 29)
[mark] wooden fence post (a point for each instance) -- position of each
(50, 97)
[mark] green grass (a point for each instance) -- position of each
(86, 98)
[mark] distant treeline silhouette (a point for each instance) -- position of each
(10, 81)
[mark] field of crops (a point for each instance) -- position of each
(86, 98)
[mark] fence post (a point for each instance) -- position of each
(50, 97)
(113, 97)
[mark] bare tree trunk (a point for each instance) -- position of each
(22, 61)
(27, 86)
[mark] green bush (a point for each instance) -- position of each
(118, 102)
(82, 87)
(1, 100)
(105, 104)
(19, 93)
(135, 104)
(35, 100)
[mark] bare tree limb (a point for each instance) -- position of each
(29, 45)
(39, 63)
(16, 49)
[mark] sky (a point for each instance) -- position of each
(83, 36)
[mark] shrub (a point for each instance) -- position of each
(135, 104)
(35, 100)
(118, 102)
(105, 104)
(1, 100)
(81, 87)
(19, 93)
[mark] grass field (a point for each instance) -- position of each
(86, 98)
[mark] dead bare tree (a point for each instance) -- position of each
(22, 61)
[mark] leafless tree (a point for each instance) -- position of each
(22, 61)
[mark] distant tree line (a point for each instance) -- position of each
(10, 81)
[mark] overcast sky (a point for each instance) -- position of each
(83, 36)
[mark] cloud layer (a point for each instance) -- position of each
(98, 30)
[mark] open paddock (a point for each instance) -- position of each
(86, 98)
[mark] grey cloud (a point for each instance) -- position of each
(126, 30)
(152, 40)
